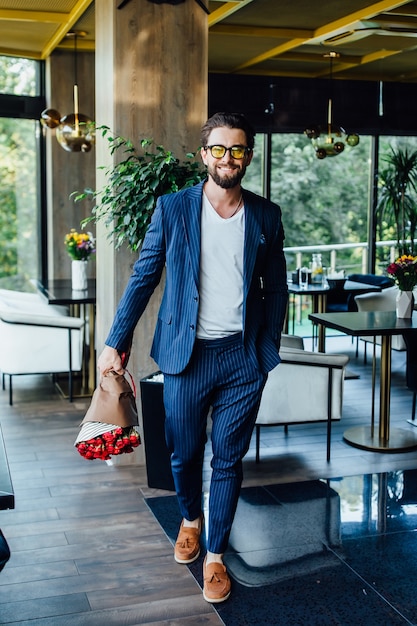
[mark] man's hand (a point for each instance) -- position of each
(109, 360)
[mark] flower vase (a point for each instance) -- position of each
(405, 304)
(79, 275)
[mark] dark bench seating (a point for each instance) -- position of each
(6, 499)
(340, 300)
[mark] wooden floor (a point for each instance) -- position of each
(85, 548)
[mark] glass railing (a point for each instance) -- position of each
(300, 256)
(333, 261)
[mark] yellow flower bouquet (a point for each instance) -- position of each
(80, 246)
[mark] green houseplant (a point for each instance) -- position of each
(128, 199)
(397, 200)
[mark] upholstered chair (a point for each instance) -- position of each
(304, 387)
(381, 301)
(37, 338)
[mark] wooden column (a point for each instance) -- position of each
(151, 82)
(67, 171)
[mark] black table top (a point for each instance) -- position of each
(59, 291)
(349, 286)
(367, 323)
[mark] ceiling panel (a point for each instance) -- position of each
(375, 40)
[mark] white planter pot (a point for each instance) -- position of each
(79, 275)
(405, 304)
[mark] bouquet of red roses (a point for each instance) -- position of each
(403, 272)
(110, 442)
(109, 426)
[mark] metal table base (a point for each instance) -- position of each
(400, 440)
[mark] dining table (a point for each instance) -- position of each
(82, 303)
(318, 294)
(383, 324)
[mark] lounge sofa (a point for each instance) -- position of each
(37, 338)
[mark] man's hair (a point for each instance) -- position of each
(229, 120)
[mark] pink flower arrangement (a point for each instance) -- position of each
(404, 272)
(117, 441)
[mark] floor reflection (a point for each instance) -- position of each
(342, 551)
(283, 531)
(378, 503)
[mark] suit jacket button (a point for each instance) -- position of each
(192, 326)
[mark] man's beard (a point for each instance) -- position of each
(226, 182)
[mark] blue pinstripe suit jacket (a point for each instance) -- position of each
(173, 241)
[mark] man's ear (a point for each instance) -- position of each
(203, 155)
(249, 157)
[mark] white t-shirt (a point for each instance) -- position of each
(221, 273)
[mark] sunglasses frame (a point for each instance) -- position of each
(226, 150)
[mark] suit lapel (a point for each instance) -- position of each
(191, 216)
(253, 231)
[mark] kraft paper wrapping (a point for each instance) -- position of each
(113, 402)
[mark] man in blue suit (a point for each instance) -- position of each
(218, 330)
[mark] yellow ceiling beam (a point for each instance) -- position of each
(228, 8)
(305, 57)
(277, 51)
(377, 56)
(18, 52)
(363, 14)
(349, 62)
(260, 31)
(324, 32)
(85, 45)
(31, 16)
(68, 22)
(272, 72)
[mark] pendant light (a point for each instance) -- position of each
(74, 132)
(331, 140)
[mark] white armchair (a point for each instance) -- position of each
(37, 338)
(304, 387)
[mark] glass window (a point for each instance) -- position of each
(19, 207)
(254, 174)
(397, 196)
(19, 77)
(323, 201)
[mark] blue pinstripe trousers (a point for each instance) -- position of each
(220, 375)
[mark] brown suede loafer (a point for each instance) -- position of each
(187, 546)
(217, 583)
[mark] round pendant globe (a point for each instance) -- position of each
(76, 133)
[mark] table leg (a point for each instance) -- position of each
(388, 440)
(385, 389)
(87, 380)
(285, 326)
(293, 313)
(89, 377)
(373, 387)
(84, 371)
(92, 371)
(321, 308)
